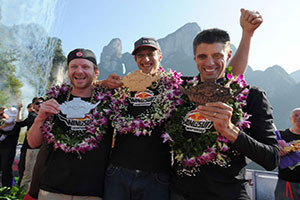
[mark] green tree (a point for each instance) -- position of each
(9, 84)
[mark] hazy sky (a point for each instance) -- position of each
(93, 23)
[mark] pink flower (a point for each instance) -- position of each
(189, 162)
(229, 76)
(166, 137)
(222, 139)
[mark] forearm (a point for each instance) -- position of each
(34, 135)
(259, 144)
(239, 62)
(19, 116)
(266, 155)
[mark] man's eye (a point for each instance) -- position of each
(218, 56)
(201, 57)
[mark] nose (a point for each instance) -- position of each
(79, 69)
(209, 61)
(147, 58)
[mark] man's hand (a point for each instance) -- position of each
(220, 114)
(250, 21)
(47, 109)
(20, 105)
(19, 115)
(113, 81)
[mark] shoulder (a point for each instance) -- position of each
(257, 96)
(254, 90)
(284, 131)
(258, 103)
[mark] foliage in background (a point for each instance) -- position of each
(9, 83)
(13, 193)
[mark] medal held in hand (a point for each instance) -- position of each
(209, 91)
(77, 108)
(138, 81)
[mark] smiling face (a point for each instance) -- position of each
(295, 119)
(148, 59)
(82, 72)
(211, 60)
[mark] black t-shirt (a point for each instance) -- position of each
(147, 153)
(12, 136)
(287, 173)
(74, 174)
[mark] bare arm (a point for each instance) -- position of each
(250, 21)
(34, 135)
(113, 81)
(19, 115)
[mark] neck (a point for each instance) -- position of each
(86, 92)
(295, 130)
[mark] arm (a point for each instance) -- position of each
(113, 81)
(259, 144)
(19, 115)
(34, 135)
(250, 21)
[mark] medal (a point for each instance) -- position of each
(209, 91)
(77, 108)
(138, 81)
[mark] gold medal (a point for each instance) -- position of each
(138, 81)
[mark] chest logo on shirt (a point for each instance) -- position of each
(76, 124)
(195, 122)
(142, 98)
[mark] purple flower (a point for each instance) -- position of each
(243, 123)
(189, 162)
(222, 139)
(166, 137)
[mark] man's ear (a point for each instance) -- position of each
(96, 72)
(160, 56)
(229, 55)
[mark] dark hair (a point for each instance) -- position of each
(35, 99)
(41, 99)
(210, 36)
(29, 105)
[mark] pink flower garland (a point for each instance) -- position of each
(164, 103)
(94, 130)
(216, 153)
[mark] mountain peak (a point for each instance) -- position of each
(111, 55)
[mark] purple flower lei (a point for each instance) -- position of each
(217, 153)
(165, 102)
(94, 130)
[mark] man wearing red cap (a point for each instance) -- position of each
(73, 121)
(140, 163)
